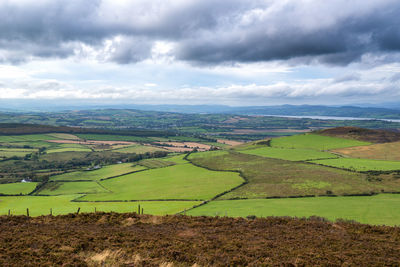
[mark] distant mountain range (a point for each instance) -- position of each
(377, 112)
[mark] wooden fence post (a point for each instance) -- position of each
(78, 210)
(139, 209)
(27, 212)
(142, 211)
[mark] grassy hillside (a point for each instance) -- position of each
(278, 178)
(315, 142)
(289, 153)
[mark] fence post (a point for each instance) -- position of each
(142, 211)
(78, 210)
(95, 210)
(27, 212)
(139, 209)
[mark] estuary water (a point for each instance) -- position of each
(332, 118)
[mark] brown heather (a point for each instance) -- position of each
(111, 239)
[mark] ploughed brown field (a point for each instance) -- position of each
(111, 239)
(92, 142)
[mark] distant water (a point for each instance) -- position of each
(333, 118)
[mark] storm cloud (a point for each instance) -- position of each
(202, 31)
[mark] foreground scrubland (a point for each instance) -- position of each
(131, 240)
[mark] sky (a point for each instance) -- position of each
(231, 52)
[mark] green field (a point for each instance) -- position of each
(183, 181)
(96, 175)
(63, 136)
(177, 159)
(69, 188)
(289, 154)
(25, 138)
(18, 152)
(34, 144)
(155, 163)
(208, 154)
(17, 188)
(379, 209)
(41, 205)
(360, 164)
(314, 141)
(64, 156)
(68, 148)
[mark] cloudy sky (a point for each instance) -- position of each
(235, 52)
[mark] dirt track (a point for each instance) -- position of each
(127, 239)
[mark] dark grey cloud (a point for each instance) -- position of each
(348, 78)
(395, 78)
(294, 33)
(203, 31)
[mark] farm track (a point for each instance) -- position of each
(111, 239)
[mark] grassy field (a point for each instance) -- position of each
(177, 159)
(360, 164)
(274, 177)
(64, 136)
(208, 154)
(41, 205)
(314, 141)
(25, 138)
(183, 181)
(18, 152)
(379, 209)
(34, 144)
(64, 156)
(69, 188)
(155, 163)
(289, 154)
(96, 175)
(385, 151)
(68, 148)
(138, 149)
(17, 188)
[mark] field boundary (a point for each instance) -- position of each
(373, 172)
(246, 181)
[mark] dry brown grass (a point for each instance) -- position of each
(79, 240)
(385, 151)
(229, 142)
(184, 146)
(362, 134)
